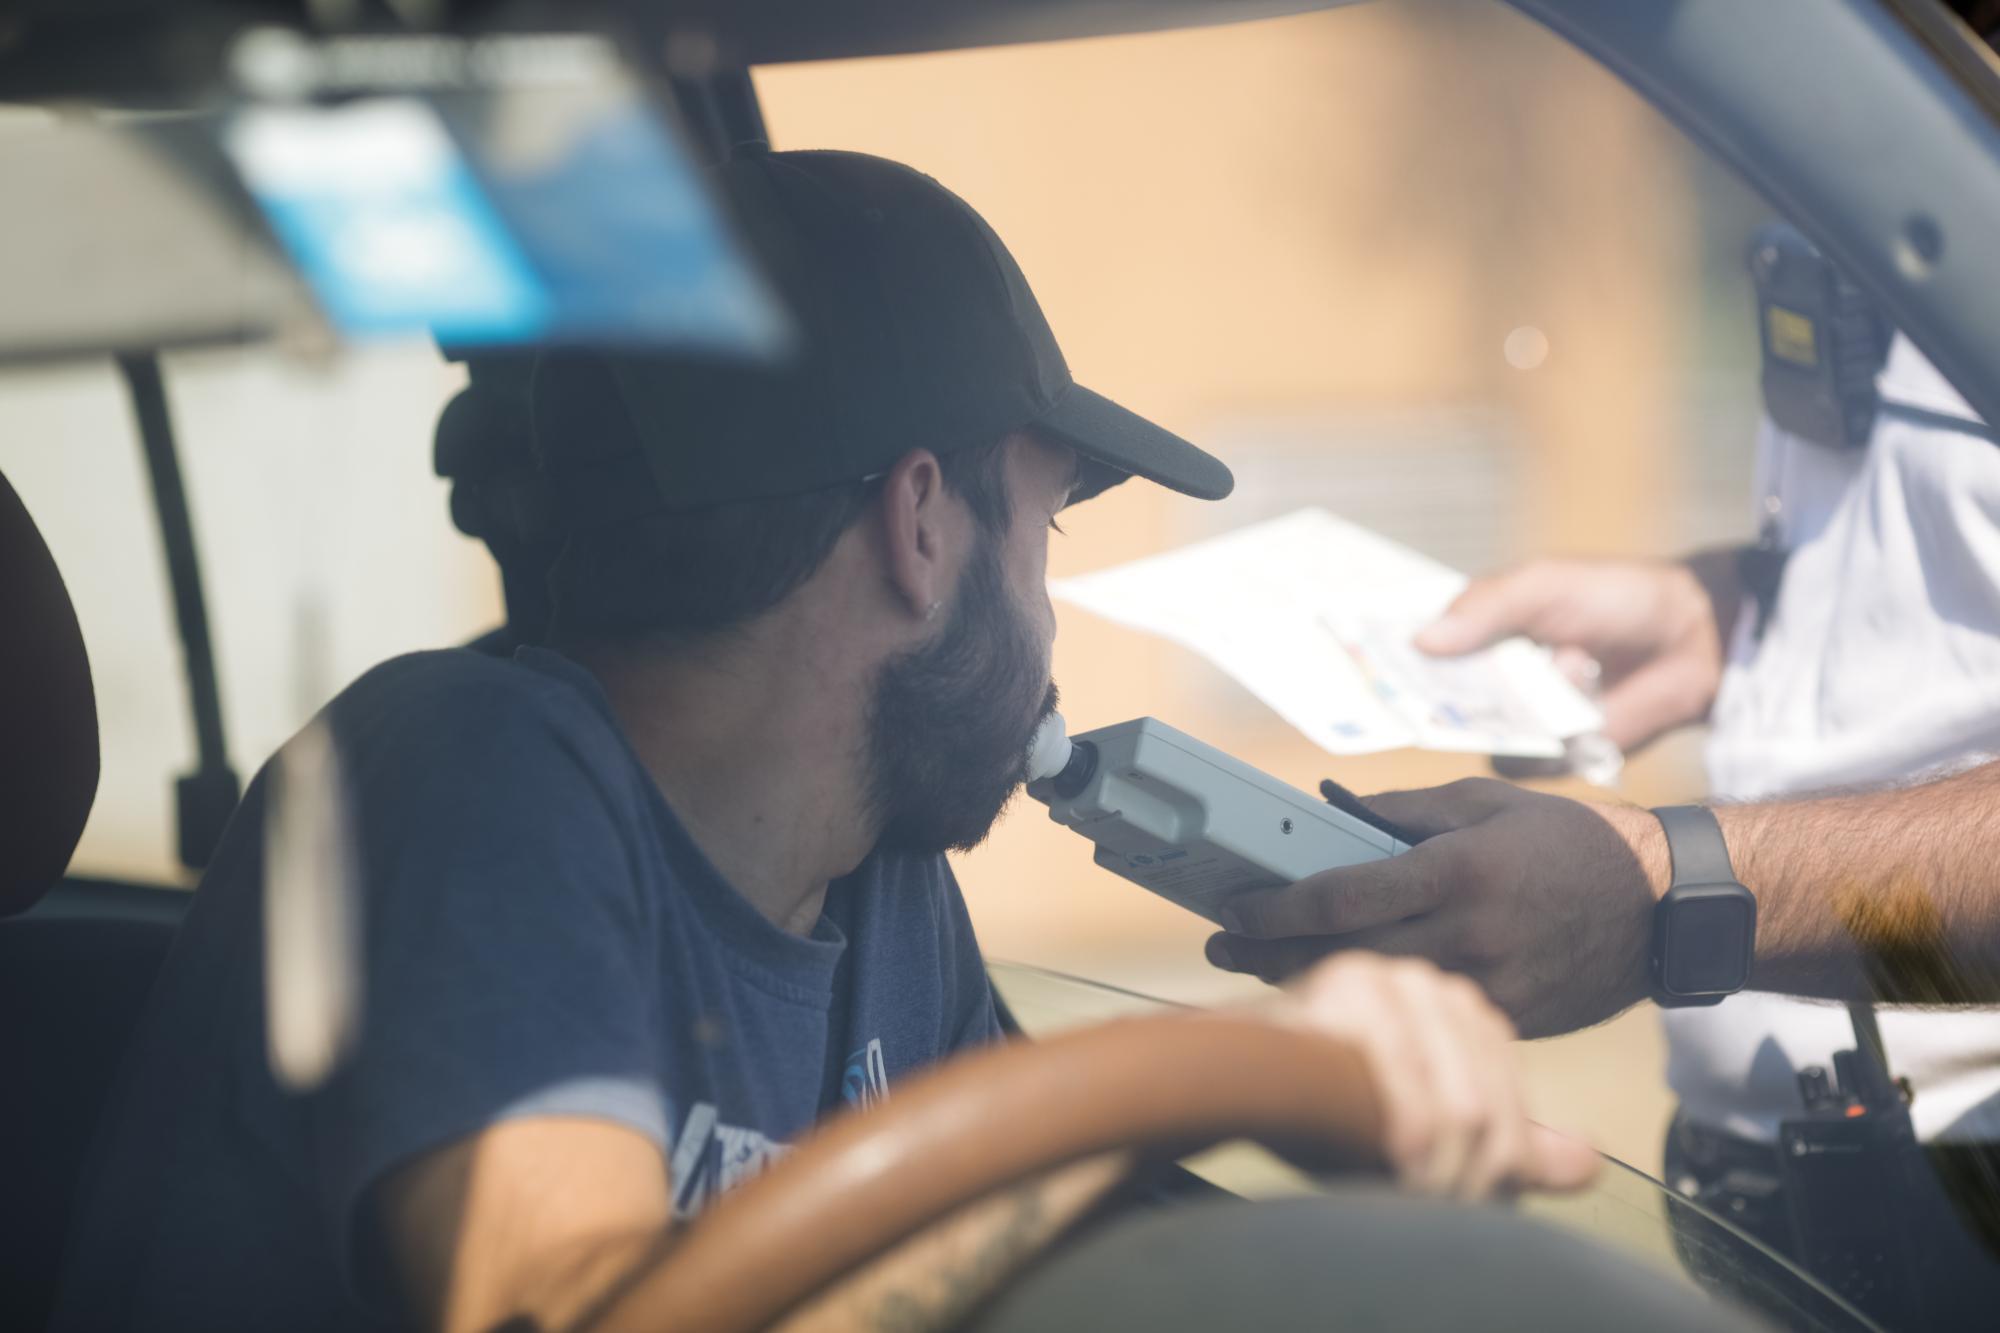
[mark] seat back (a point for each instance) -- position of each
(75, 971)
(76, 963)
(48, 714)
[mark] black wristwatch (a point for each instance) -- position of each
(1705, 928)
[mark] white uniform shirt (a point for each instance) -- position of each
(1881, 662)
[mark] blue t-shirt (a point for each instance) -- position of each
(542, 937)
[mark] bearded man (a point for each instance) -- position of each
(645, 901)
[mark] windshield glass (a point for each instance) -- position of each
(1420, 265)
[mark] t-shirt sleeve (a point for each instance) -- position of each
(509, 960)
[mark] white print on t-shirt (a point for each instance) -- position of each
(866, 1081)
(712, 1158)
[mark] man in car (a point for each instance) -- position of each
(641, 906)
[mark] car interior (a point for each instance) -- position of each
(78, 954)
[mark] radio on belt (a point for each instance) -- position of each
(1187, 821)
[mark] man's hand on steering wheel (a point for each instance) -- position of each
(1442, 1059)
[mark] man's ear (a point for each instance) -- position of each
(915, 521)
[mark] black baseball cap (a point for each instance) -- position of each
(916, 329)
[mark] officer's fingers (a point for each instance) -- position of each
(1270, 961)
(1495, 608)
(1430, 811)
(1582, 670)
(1578, 667)
(1275, 961)
(1518, 767)
(1349, 899)
(1655, 699)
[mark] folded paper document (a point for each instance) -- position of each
(1315, 616)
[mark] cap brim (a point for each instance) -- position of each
(1122, 444)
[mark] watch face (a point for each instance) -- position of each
(1708, 938)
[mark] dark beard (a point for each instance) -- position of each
(950, 722)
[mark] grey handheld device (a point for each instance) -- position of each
(1187, 821)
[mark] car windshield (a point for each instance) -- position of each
(1420, 264)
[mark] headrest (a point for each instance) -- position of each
(48, 715)
(486, 449)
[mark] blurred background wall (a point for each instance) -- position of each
(1416, 261)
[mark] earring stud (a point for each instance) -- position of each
(930, 612)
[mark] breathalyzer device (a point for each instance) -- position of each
(1187, 821)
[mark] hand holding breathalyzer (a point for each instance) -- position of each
(1547, 903)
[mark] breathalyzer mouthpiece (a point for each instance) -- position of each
(1049, 751)
(1052, 754)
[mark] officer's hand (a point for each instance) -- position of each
(1443, 1062)
(1545, 902)
(1654, 629)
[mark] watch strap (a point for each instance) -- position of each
(1695, 845)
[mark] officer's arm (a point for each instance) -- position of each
(1548, 903)
(1889, 895)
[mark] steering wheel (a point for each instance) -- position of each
(864, 1182)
